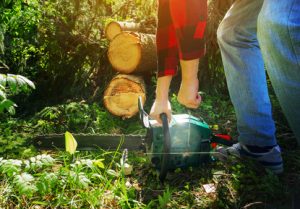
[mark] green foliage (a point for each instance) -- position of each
(82, 184)
(70, 35)
(16, 134)
(13, 143)
(177, 108)
(38, 162)
(84, 118)
(19, 20)
(60, 44)
(217, 111)
(246, 181)
(10, 167)
(24, 184)
(78, 180)
(136, 10)
(165, 198)
(8, 105)
(47, 183)
(11, 85)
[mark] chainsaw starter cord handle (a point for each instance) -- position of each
(166, 147)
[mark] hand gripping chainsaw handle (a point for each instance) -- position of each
(144, 117)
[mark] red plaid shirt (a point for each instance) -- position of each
(180, 31)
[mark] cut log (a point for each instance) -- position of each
(131, 52)
(121, 95)
(115, 27)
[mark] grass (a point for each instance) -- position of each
(55, 179)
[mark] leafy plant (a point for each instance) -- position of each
(84, 118)
(10, 167)
(24, 184)
(11, 85)
(47, 183)
(38, 162)
(13, 143)
(165, 198)
(80, 183)
(78, 180)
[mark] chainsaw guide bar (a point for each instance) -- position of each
(92, 141)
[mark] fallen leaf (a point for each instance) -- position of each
(209, 188)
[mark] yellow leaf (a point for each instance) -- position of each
(99, 163)
(127, 169)
(71, 143)
(215, 127)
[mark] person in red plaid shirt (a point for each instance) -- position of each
(179, 39)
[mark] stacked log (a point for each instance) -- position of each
(131, 54)
(121, 95)
(114, 28)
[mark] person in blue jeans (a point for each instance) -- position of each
(255, 37)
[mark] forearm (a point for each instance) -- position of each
(162, 88)
(189, 69)
(188, 92)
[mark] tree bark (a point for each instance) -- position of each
(121, 95)
(131, 52)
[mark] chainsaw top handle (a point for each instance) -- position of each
(166, 147)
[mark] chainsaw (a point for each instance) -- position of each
(185, 142)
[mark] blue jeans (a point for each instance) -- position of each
(255, 37)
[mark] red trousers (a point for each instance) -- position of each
(180, 32)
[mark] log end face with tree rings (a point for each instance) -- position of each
(112, 30)
(125, 52)
(122, 93)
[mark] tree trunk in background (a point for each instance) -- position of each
(121, 95)
(131, 52)
(114, 28)
(211, 74)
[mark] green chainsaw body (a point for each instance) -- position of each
(189, 142)
(185, 141)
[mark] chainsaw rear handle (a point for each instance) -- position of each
(166, 148)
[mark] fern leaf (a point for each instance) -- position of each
(2, 80)
(83, 180)
(38, 162)
(25, 81)
(8, 105)
(79, 180)
(10, 167)
(2, 94)
(12, 82)
(24, 183)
